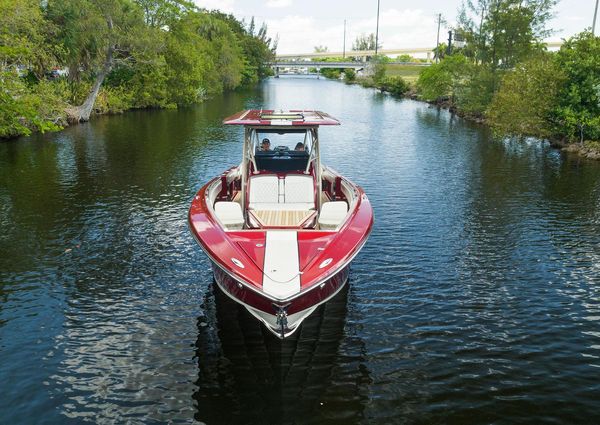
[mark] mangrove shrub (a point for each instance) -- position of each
(578, 111)
(528, 97)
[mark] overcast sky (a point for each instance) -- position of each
(304, 24)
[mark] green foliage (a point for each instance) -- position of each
(142, 53)
(578, 111)
(333, 73)
(379, 66)
(468, 87)
(23, 37)
(149, 85)
(257, 47)
(405, 58)
(502, 33)
(395, 85)
(113, 100)
(443, 80)
(476, 91)
(24, 108)
(527, 98)
(332, 59)
(191, 70)
(349, 75)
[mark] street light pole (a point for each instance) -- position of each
(437, 44)
(377, 30)
(344, 54)
(595, 14)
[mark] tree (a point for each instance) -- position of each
(96, 35)
(501, 33)
(26, 101)
(23, 37)
(120, 54)
(258, 48)
(321, 49)
(161, 13)
(365, 42)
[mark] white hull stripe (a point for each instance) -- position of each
(281, 270)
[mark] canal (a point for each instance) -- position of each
(476, 299)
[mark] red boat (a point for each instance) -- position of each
(281, 228)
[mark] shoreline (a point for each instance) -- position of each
(578, 149)
(582, 150)
(68, 124)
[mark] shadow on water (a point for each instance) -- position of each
(247, 375)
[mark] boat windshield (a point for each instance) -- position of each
(281, 151)
(297, 142)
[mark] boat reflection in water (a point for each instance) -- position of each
(248, 375)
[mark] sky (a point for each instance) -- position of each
(303, 24)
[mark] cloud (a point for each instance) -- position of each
(226, 6)
(278, 3)
(406, 28)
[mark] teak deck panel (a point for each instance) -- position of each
(281, 218)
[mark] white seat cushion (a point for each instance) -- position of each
(230, 214)
(299, 189)
(332, 214)
(269, 193)
(264, 189)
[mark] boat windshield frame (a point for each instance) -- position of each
(251, 142)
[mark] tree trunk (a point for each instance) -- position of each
(82, 112)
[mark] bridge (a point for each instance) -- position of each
(388, 52)
(357, 53)
(305, 66)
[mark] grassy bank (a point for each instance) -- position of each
(410, 73)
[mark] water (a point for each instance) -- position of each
(476, 299)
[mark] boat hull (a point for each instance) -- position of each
(282, 319)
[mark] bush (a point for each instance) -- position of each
(395, 85)
(475, 93)
(25, 108)
(333, 73)
(444, 79)
(527, 98)
(349, 75)
(378, 64)
(113, 100)
(405, 58)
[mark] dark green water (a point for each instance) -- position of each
(476, 300)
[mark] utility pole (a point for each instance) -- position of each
(449, 51)
(344, 54)
(595, 14)
(437, 44)
(377, 30)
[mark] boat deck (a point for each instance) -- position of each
(271, 218)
